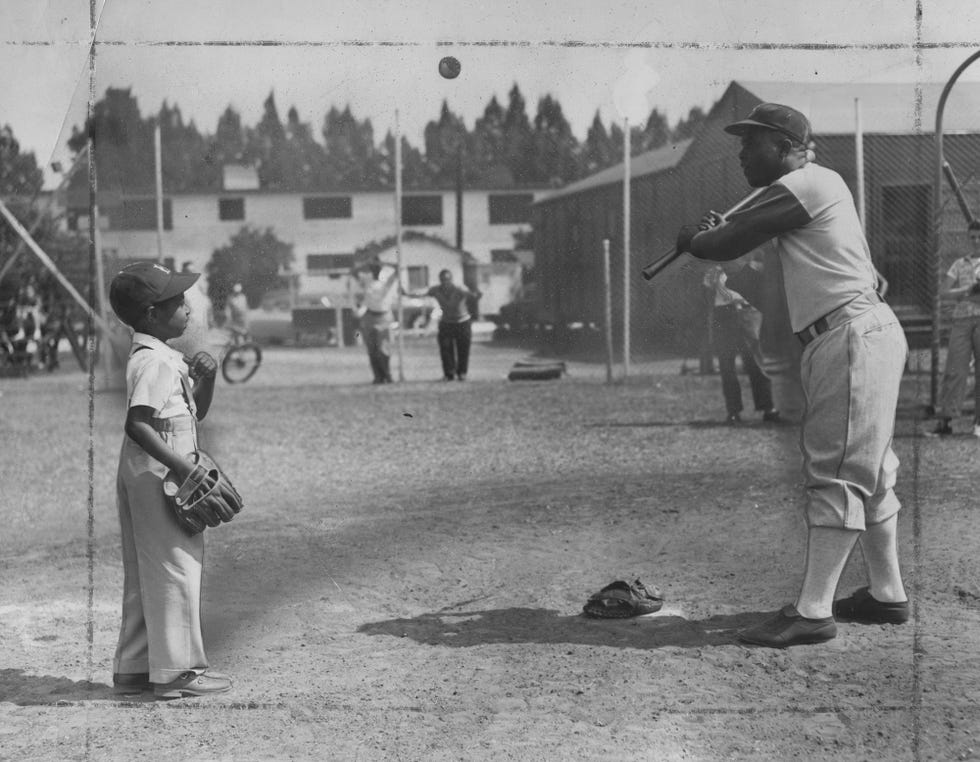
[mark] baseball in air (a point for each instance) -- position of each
(449, 67)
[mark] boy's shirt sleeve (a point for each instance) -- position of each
(154, 382)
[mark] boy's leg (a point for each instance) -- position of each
(131, 657)
(171, 568)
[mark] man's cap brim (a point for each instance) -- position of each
(179, 283)
(746, 125)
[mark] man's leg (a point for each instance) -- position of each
(726, 347)
(957, 367)
(446, 351)
(464, 340)
(827, 551)
(879, 545)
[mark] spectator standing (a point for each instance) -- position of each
(962, 284)
(455, 334)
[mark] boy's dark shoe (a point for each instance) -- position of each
(192, 684)
(773, 416)
(789, 628)
(861, 607)
(131, 682)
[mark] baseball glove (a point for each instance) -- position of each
(620, 600)
(205, 499)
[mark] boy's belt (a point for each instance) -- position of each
(838, 317)
(177, 423)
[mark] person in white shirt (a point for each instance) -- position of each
(962, 284)
(375, 311)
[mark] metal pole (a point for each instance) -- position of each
(626, 247)
(158, 172)
(937, 223)
(859, 165)
(398, 247)
(607, 312)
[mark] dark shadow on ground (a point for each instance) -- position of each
(525, 625)
(695, 424)
(19, 687)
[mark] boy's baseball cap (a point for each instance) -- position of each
(774, 116)
(141, 284)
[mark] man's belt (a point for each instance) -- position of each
(837, 317)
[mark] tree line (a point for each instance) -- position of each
(505, 148)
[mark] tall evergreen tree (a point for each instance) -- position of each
(597, 151)
(518, 139)
(445, 146)
(686, 128)
(268, 145)
(486, 157)
(554, 145)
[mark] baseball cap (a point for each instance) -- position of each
(141, 284)
(774, 116)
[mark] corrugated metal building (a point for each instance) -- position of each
(677, 184)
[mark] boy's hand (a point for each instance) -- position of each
(202, 365)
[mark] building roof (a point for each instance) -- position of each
(886, 107)
(642, 164)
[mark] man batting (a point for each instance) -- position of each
(854, 353)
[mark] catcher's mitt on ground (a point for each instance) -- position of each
(620, 600)
(207, 498)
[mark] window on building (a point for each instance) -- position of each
(499, 256)
(329, 264)
(231, 208)
(327, 207)
(510, 208)
(422, 210)
(140, 214)
(418, 277)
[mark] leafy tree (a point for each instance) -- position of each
(254, 258)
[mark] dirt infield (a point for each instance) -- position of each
(407, 577)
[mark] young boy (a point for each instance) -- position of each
(160, 642)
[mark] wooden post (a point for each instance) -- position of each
(398, 247)
(158, 178)
(607, 311)
(626, 247)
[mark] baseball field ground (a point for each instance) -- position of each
(407, 577)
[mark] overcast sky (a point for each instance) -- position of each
(379, 56)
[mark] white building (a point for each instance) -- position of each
(325, 229)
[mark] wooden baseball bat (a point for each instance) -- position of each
(652, 269)
(958, 192)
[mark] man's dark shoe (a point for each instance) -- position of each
(943, 429)
(131, 682)
(789, 628)
(861, 607)
(772, 416)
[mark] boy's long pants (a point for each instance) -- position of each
(163, 568)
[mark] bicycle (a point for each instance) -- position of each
(242, 357)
